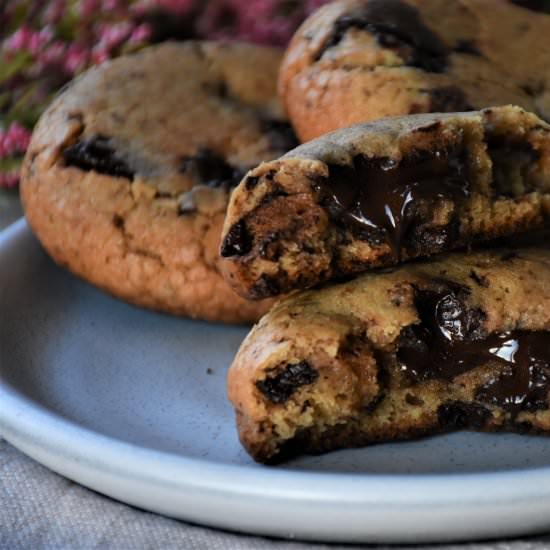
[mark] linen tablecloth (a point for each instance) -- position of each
(40, 510)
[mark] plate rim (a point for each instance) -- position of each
(26, 423)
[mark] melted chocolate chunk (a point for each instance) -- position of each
(237, 242)
(398, 27)
(448, 99)
(448, 342)
(97, 154)
(280, 387)
(385, 200)
(209, 168)
(457, 415)
(281, 134)
(525, 380)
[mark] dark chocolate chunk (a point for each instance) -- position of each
(285, 381)
(251, 181)
(457, 415)
(265, 286)
(97, 154)
(280, 133)
(396, 26)
(237, 242)
(533, 5)
(385, 200)
(467, 47)
(446, 342)
(209, 168)
(524, 381)
(118, 221)
(448, 99)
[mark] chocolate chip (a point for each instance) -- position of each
(209, 168)
(237, 242)
(97, 154)
(285, 381)
(457, 415)
(118, 221)
(251, 181)
(467, 47)
(265, 286)
(533, 5)
(447, 99)
(280, 133)
(396, 26)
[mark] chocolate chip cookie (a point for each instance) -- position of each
(381, 193)
(458, 342)
(359, 60)
(128, 175)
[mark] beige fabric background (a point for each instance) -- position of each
(40, 510)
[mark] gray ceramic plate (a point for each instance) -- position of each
(132, 404)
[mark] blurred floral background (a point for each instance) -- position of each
(44, 44)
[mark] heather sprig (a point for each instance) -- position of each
(44, 44)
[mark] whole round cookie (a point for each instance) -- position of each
(359, 60)
(129, 171)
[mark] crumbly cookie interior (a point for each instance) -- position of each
(442, 371)
(443, 186)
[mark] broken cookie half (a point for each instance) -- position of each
(461, 342)
(381, 193)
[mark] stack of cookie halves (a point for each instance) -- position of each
(129, 182)
(403, 315)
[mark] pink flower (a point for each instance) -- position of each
(112, 35)
(140, 34)
(76, 58)
(14, 140)
(176, 7)
(55, 10)
(18, 40)
(52, 55)
(88, 8)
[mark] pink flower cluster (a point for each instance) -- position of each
(14, 141)
(270, 22)
(45, 44)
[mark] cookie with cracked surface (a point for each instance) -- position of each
(128, 175)
(458, 342)
(384, 192)
(359, 60)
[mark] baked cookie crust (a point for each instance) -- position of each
(128, 175)
(381, 193)
(358, 60)
(459, 342)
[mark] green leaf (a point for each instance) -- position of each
(8, 69)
